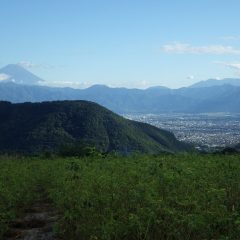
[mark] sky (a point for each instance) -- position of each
(127, 43)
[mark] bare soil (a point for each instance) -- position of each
(37, 222)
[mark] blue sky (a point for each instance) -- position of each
(131, 43)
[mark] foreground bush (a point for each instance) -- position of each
(143, 197)
(139, 197)
(17, 188)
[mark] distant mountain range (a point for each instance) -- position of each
(215, 82)
(49, 126)
(207, 96)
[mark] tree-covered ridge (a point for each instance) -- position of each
(237, 147)
(47, 126)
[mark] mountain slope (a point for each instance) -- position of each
(34, 127)
(17, 74)
(215, 82)
(237, 147)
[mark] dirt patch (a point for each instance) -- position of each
(36, 223)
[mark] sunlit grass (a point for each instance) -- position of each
(138, 197)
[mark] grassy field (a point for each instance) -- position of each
(139, 197)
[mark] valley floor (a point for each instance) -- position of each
(186, 196)
(209, 132)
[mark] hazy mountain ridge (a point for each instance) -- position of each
(215, 82)
(197, 100)
(221, 98)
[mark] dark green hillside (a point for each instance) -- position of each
(34, 127)
(237, 147)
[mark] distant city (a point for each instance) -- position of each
(205, 131)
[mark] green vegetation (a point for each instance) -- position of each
(38, 127)
(237, 147)
(183, 196)
(18, 181)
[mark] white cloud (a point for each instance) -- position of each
(71, 84)
(4, 76)
(235, 65)
(231, 38)
(143, 84)
(191, 77)
(183, 48)
(27, 64)
(139, 85)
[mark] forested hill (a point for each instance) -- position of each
(36, 127)
(237, 147)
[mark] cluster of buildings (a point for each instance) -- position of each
(205, 131)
